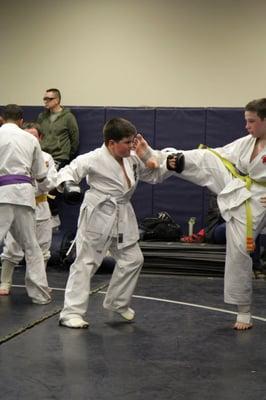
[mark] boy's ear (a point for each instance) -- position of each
(21, 122)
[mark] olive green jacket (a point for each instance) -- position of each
(61, 137)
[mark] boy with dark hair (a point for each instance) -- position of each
(12, 112)
(236, 173)
(257, 106)
(107, 220)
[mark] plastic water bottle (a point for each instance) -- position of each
(191, 223)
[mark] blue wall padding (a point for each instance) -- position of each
(90, 121)
(182, 128)
(31, 112)
(224, 125)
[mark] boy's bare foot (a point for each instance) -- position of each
(243, 322)
(4, 292)
(241, 326)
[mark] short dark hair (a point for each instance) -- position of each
(32, 125)
(12, 112)
(258, 106)
(117, 129)
(56, 92)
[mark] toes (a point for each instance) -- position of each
(241, 326)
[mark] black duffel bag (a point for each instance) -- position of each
(160, 228)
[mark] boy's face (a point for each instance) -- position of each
(122, 148)
(255, 125)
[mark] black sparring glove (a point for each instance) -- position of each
(179, 164)
(72, 192)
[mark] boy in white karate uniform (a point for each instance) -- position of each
(237, 174)
(12, 252)
(107, 221)
(21, 162)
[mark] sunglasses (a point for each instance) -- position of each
(48, 98)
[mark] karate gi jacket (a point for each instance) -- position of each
(108, 211)
(235, 192)
(20, 154)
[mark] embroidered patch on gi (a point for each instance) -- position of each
(263, 159)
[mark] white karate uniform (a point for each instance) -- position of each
(20, 154)
(205, 169)
(107, 221)
(12, 251)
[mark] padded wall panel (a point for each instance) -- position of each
(144, 120)
(182, 129)
(90, 122)
(30, 113)
(223, 125)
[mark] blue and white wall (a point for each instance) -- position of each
(181, 70)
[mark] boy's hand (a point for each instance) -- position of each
(176, 162)
(143, 151)
(72, 192)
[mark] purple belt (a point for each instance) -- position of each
(13, 179)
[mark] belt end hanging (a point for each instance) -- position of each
(250, 244)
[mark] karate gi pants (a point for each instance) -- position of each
(129, 261)
(20, 221)
(12, 250)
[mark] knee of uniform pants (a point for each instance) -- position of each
(32, 247)
(12, 252)
(131, 261)
(137, 261)
(11, 258)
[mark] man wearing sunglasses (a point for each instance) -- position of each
(61, 135)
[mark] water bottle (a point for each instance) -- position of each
(191, 223)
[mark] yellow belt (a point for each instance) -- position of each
(41, 198)
(250, 244)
